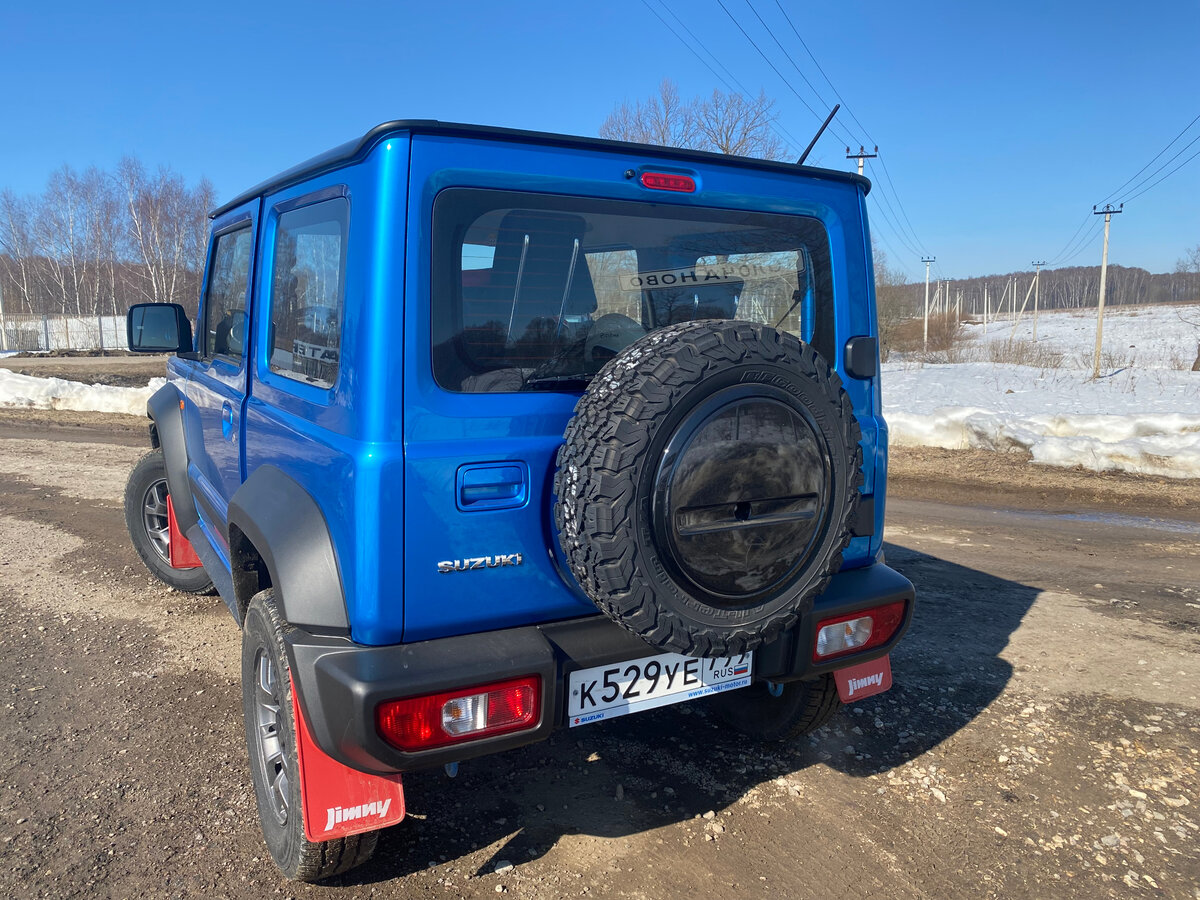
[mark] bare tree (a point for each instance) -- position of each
(722, 123)
(16, 247)
(92, 242)
(893, 303)
(1189, 263)
(739, 126)
(167, 226)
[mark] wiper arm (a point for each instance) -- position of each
(797, 296)
(547, 380)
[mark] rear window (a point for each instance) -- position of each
(538, 292)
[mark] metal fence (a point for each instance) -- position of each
(24, 332)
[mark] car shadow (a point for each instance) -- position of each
(669, 765)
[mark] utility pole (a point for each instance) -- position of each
(861, 155)
(927, 260)
(1108, 212)
(1037, 286)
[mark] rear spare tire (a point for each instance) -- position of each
(706, 487)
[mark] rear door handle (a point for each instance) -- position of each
(227, 420)
(492, 486)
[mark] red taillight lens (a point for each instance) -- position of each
(666, 181)
(467, 714)
(862, 630)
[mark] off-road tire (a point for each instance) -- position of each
(614, 446)
(297, 857)
(150, 475)
(801, 707)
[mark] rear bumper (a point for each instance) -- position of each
(340, 683)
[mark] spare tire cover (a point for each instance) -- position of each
(706, 485)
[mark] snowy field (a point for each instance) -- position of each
(1142, 415)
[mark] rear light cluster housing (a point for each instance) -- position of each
(854, 632)
(461, 715)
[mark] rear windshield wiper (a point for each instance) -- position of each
(548, 382)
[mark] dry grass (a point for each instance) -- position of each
(945, 344)
(1024, 353)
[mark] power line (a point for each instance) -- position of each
(800, 38)
(780, 131)
(1084, 242)
(1089, 237)
(767, 60)
(899, 257)
(788, 56)
(1156, 156)
(914, 250)
(796, 32)
(1071, 240)
(888, 176)
(1163, 166)
(897, 230)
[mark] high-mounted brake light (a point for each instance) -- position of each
(467, 714)
(666, 181)
(857, 631)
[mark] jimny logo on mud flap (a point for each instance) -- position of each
(857, 684)
(480, 562)
(335, 815)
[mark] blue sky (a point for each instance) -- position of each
(1001, 124)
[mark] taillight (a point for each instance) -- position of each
(668, 181)
(467, 714)
(857, 631)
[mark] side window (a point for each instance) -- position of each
(306, 291)
(225, 306)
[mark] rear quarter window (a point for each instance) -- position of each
(307, 291)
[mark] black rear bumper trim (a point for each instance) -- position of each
(340, 683)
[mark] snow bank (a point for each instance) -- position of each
(57, 393)
(1166, 445)
(1143, 418)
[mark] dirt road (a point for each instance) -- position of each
(1042, 738)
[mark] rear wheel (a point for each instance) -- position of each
(146, 519)
(274, 768)
(768, 712)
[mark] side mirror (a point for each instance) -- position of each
(158, 328)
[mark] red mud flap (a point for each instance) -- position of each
(180, 551)
(337, 800)
(864, 680)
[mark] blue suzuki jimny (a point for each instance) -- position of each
(485, 433)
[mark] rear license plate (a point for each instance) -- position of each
(605, 692)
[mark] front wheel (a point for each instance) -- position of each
(274, 767)
(780, 712)
(146, 519)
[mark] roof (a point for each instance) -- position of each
(356, 149)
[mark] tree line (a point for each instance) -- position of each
(95, 242)
(1067, 288)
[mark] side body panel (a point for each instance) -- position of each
(334, 443)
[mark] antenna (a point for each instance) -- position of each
(820, 131)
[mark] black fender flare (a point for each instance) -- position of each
(165, 409)
(287, 528)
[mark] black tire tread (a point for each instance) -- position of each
(314, 860)
(149, 468)
(804, 707)
(600, 463)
